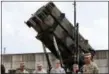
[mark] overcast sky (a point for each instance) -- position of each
(18, 38)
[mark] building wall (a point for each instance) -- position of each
(31, 60)
(101, 59)
(102, 65)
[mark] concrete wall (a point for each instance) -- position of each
(102, 65)
(101, 59)
(12, 61)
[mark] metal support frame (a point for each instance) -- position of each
(57, 49)
(60, 57)
(48, 60)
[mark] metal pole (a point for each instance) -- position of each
(75, 39)
(74, 13)
(60, 58)
(56, 46)
(47, 57)
(76, 26)
(77, 42)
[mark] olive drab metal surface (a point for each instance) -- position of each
(49, 21)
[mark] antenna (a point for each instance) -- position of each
(75, 28)
(74, 13)
(76, 25)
